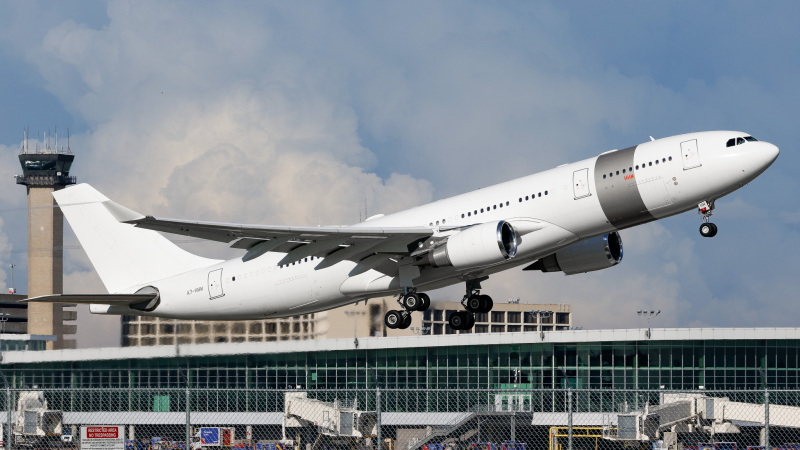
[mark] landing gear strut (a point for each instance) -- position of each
(706, 209)
(410, 301)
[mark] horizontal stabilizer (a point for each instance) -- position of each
(96, 299)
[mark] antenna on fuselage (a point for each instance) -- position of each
(651, 139)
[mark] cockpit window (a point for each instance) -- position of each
(739, 141)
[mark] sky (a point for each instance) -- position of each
(306, 113)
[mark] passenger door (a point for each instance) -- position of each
(580, 183)
(691, 155)
(215, 284)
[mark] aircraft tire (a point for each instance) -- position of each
(708, 230)
(426, 302)
(457, 320)
(487, 303)
(412, 302)
(470, 321)
(406, 322)
(393, 319)
(475, 303)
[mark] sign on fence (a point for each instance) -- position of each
(209, 436)
(102, 437)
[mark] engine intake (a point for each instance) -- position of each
(479, 245)
(600, 252)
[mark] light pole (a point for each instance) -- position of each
(540, 314)
(10, 435)
(352, 313)
(12, 290)
(649, 315)
(3, 319)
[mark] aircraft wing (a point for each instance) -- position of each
(298, 242)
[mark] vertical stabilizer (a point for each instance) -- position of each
(124, 256)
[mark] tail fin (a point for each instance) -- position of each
(123, 255)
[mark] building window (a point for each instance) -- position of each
(498, 316)
(513, 317)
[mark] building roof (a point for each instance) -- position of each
(380, 343)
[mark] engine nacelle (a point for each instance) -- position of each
(597, 253)
(479, 245)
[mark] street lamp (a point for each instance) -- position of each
(3, 319)
(12, 290)
(354, 315)
(540, 314)
(649, 315)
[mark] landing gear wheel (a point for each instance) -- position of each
(487, 302)
(462, 320)
(457, 320)
(412, 302)
(475, 303)
(426, 302)
(708, 230)
(406, 322)
(393, 319)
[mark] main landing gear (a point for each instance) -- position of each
(706, 209)
(474, 302)
(409, 301)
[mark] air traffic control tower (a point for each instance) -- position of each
(43, 172)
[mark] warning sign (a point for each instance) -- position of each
(103, 437)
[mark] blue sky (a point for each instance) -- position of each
(296, 112)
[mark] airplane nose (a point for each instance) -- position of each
(765, 155)
(772, 152)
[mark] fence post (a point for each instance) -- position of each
(569, 418)
(766, 419)
(188, 416)
(378, 418)
(10, 443)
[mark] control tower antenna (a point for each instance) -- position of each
(44, 172)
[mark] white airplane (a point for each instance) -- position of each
(563, 220)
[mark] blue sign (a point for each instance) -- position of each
(209, 436)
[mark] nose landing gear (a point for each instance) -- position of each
(706, 209)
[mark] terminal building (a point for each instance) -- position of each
(366, 321)
(709, 358)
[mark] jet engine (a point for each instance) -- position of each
(600, 252)
(479, 245)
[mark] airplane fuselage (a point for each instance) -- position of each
(571, 203)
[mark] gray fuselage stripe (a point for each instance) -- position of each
(618, 192)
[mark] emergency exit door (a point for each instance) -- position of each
(215, 284)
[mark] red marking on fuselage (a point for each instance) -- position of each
(629, 177)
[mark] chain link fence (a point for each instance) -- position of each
(399, 419)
